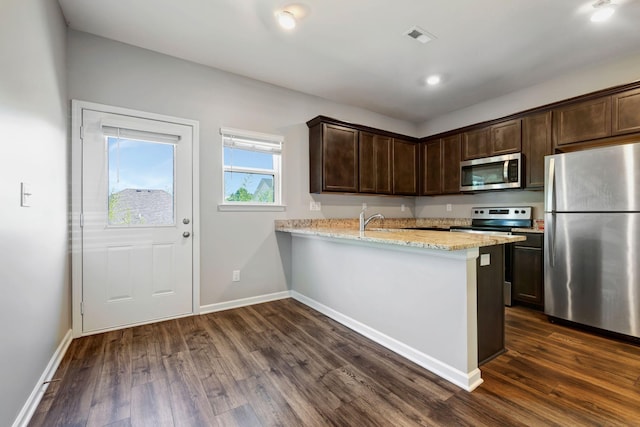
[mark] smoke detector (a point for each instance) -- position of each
(419, 34)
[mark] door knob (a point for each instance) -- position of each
(186, 221)
(186, 234)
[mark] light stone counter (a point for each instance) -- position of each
(427, 239)
(528, 230)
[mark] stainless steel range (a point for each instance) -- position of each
(499, 220)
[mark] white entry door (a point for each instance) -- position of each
(136, 220)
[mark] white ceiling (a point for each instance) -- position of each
(355, 51)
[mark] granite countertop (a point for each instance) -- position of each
(528, 230)
(396, 232)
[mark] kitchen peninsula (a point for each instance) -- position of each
(413, 291)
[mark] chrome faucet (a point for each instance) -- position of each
(364, 222)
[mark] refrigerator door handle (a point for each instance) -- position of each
(552, 239)
(550, 186)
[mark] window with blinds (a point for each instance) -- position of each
(251, 167)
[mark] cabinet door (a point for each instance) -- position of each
(536, 143)
(626, 112)
(527, 271)
(505, 138)
(432, 167)
(340, 158)
(375, 163)
(405, 167)
(475, 144)
(451, 164)
(582, 122)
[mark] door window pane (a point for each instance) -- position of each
(141, 182)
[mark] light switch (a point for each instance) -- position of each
(485, 259)
(25, 194)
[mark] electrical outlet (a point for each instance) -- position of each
(449, 208)
(315, 206)
(364, 206)
(236, 275)
(402, 208)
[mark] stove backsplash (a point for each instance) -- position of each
(460, 205)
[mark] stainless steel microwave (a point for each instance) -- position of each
(491, 173)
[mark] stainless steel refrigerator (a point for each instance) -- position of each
(592, 238)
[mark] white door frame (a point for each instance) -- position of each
(76, 200)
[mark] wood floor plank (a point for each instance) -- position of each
(169, 338)
(220, 387)
(241, 365)
(111, 400)
(151, 405)
(267, 402)
(189, 403)
(242, 416)
(146, 364)
(282, 363)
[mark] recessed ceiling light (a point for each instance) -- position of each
(286, 20)
(604, 10)
(433, 80)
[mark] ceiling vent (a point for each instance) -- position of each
(420, 35)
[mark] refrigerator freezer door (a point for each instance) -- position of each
(598, 180)
(592, 269)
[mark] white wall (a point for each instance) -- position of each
(461, 204)
(589, 79)
(34, 273)
(108, 72)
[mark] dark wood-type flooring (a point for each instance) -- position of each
(282, 363)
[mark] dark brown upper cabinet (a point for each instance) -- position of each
(431, 168)
(451, 164)
(333, 158)
(583, 121)
(441, 166)
(350, 158)
(375, 163)
(626, 112)
(501, 138)
(536, 143)
(475, 144)
(405, 167)
(505, 137)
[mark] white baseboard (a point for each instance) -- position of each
(463, 380)
(243, 302)
(31, 405)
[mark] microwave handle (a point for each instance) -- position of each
(505, 171)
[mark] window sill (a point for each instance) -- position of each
(247, 207)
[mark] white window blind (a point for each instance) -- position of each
(139, 135)
(253, 141)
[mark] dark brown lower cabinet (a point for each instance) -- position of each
(527, 280)
(490, 303)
